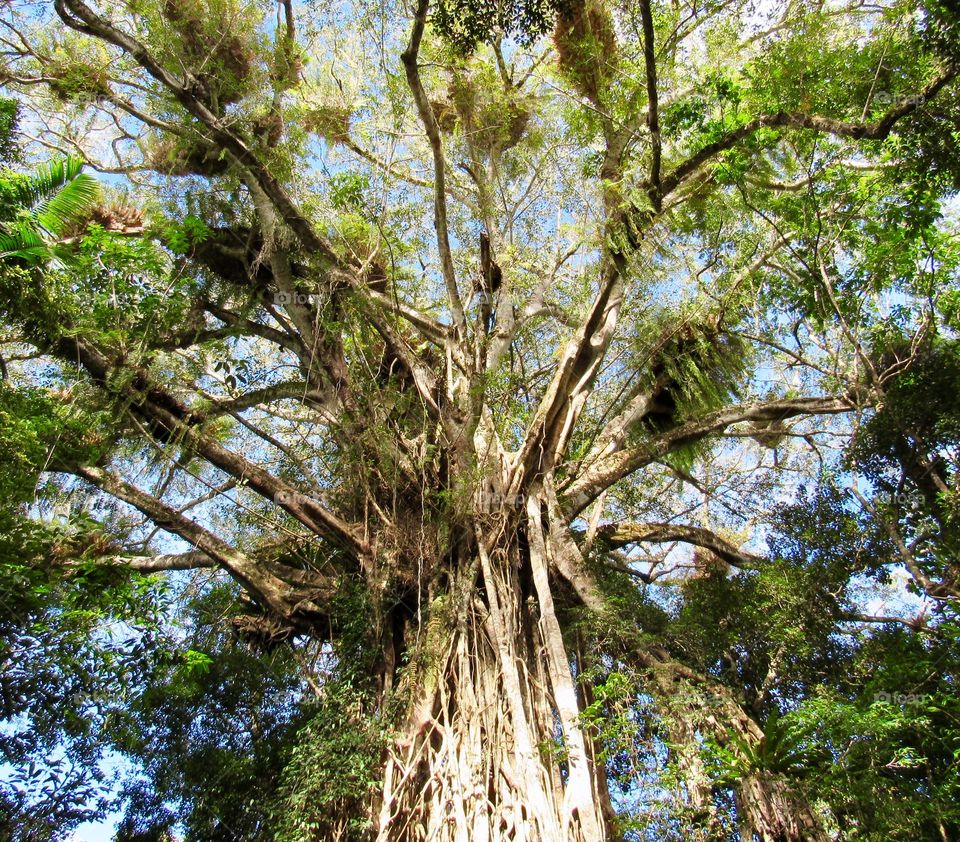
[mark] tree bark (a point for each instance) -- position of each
(492, 748)
(771, 811)
(769, 808)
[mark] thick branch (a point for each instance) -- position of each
(251, 328)
(81, 17)
(423, 379)
(616, 535)
(429, 329)
(296, 390)
(566, 396)
(653, 118)
(168, 416)
(609, 469)
(194, 560)
(409, 59)
(795, 120)
(271, 592)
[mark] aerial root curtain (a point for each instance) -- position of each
(493, 748)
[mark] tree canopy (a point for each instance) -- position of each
(470, 420)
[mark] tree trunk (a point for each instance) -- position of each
(769, 808)
(492, 747)
(771, 811)
(684, 736)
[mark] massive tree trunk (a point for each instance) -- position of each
(492, 747)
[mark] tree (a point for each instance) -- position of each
(475, 360)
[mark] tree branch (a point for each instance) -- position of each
(409, 59)
(616, 535)
(77, 15)
(168, 416)
(295, 390)
(194, 560)
(266, 588)
(653, 118)
(795, 120)
(609, 469)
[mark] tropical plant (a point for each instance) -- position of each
(37, 209)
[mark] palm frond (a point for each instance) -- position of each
(21, 233)
(69, 204)
(41, 206)
(28, 190)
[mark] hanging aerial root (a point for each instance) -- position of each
(481, 759)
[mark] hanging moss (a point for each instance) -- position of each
(586, 47)
(445, 114)
(213, 45)
(331, 122)
(286, 64)
(492, 119)
(77, 83)
(77, 71)
(182, 158)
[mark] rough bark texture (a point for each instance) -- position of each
(772, 812)
(492, 748)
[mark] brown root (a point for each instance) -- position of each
(707, 564)
(118, 217)
(260, 631)
(121, 218)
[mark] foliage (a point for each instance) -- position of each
(466, 23)
(38, 208)
(70, 644)
(331, 772)
(208, 728)
(9, 118)
(888, 746)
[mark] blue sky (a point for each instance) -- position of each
(99, 832)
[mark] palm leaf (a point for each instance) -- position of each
(27, 190)
(20, 238)
(43, 205)
(68, 205)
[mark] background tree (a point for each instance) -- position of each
(459, 367)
